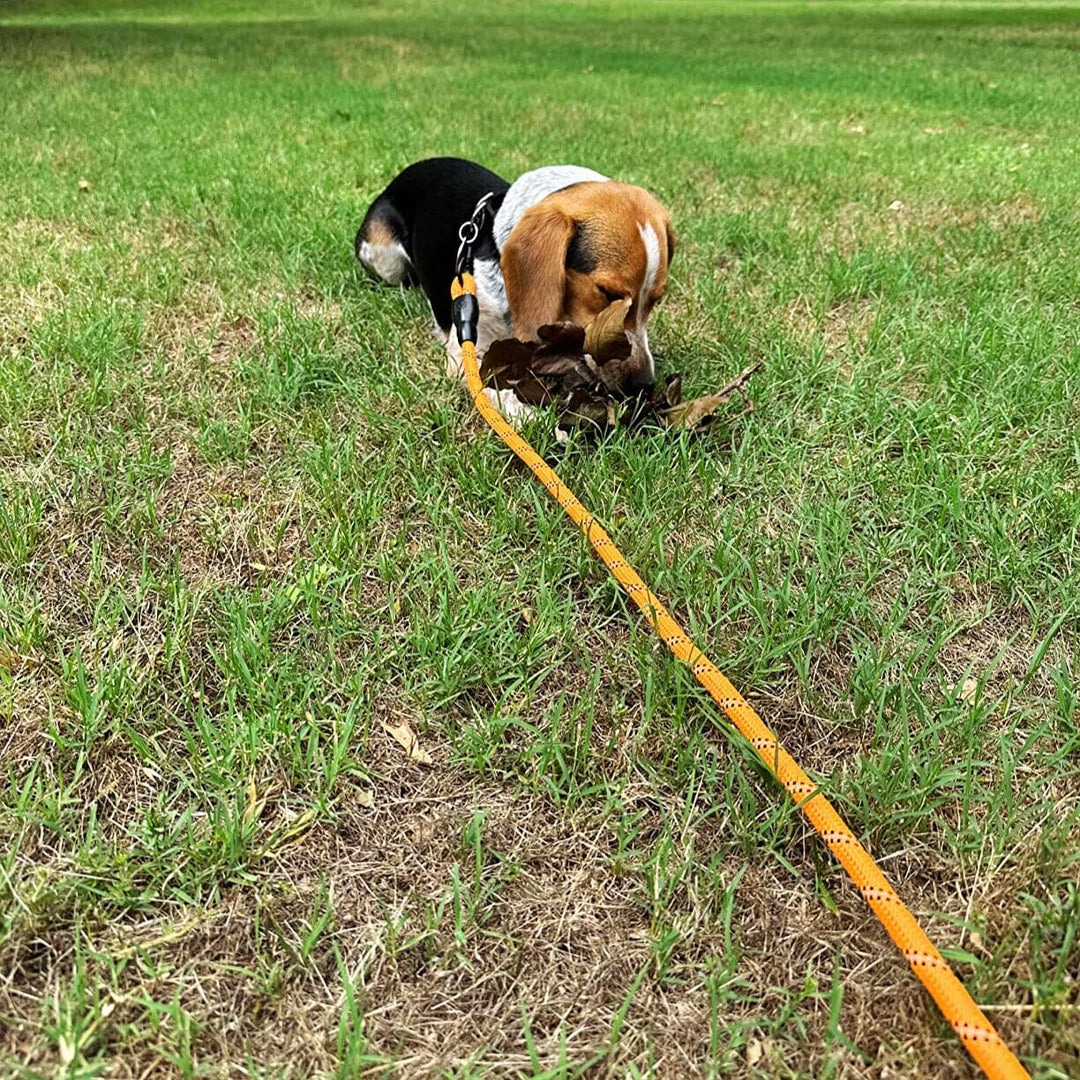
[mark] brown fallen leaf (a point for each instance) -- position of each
(85, 185)
(508, 365)
(564, 337)
(755, 1051)
(584, 374)
(558, 366)
(561, 366)
(584, 408)
(692, 415)
(605, 336)
(406, 737)
(967, 691)
(13, 663)
(673, 389)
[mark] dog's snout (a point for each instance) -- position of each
(640, 368)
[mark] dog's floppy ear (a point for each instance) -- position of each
(534, 268)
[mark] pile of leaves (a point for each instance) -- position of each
(583, 373)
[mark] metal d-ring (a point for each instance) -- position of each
(469, 233)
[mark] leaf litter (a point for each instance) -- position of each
(584, 373)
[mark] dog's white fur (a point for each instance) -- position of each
(639, 340)
(390, 261)
(532, 187)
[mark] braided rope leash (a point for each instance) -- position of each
(967, 1020)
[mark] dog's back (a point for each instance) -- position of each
(410, 231)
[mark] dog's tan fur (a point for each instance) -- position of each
(541, 289)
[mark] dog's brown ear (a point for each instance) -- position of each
(534, 268)
(670, 241)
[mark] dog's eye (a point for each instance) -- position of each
(608, 295)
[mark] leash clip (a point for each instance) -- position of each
(469, 233)
(465, 310)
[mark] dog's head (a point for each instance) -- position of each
(580, 249)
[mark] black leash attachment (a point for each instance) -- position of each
(465, 309)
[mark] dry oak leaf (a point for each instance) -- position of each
(508, 365)
(605, 336)
(406, 737)
(690, 415)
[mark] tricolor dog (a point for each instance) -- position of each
(563, 244)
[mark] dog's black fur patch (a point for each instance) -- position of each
(580, 255)
(423, 207)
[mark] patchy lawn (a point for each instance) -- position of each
(247, 529)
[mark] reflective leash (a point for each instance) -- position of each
(930, 967)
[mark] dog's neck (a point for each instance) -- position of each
(529, 188)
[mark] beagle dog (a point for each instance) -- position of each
(561, 244)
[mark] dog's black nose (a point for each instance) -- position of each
(640, 385)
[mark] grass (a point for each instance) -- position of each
(245, 524)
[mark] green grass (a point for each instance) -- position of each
(245, 523)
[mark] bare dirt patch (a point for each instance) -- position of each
(457, 907)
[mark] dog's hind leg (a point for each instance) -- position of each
(381, 245)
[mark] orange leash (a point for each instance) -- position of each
(967, 1020)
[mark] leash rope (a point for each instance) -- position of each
(966, 1018)
(976, 1033)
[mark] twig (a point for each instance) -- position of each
(738, 385)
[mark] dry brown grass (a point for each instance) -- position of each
(894, 222)
(563, 935)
